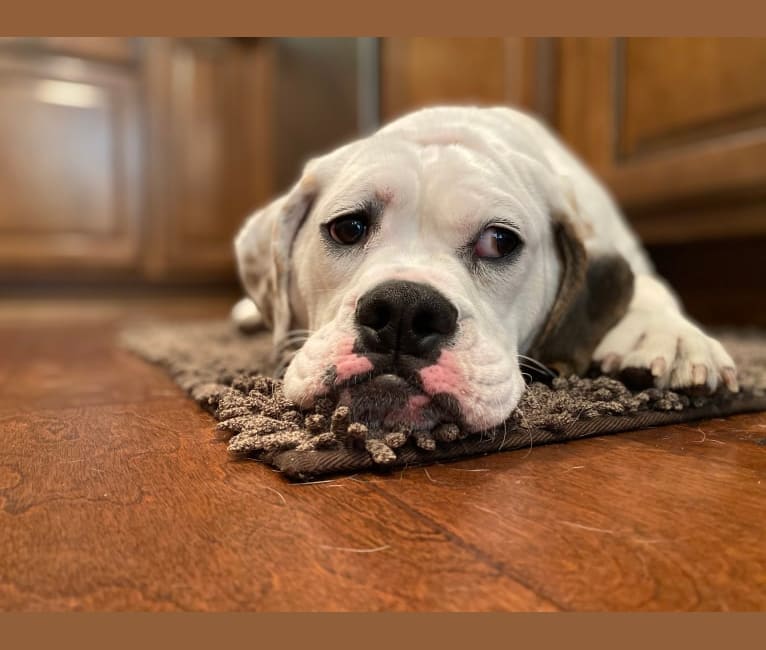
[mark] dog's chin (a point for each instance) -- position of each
(406, 394)
(391, 402)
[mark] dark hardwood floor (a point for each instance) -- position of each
(115, 493)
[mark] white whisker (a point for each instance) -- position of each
(531, 363)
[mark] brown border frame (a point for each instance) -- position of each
(396, 17)
(336, 17)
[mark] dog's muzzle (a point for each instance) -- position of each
(405, 318)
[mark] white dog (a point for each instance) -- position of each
(426, 268)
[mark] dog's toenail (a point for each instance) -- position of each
(730, 379)
(699, 374)
(610, 363)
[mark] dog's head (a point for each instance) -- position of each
(418, 264)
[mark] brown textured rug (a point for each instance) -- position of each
(220, 368)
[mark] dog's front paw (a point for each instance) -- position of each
(665, 350)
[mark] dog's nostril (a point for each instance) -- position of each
(424, 323)
(421, 324)
(375, 315)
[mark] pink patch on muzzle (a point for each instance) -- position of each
(348, 364)
(442, 377)
(412, 413)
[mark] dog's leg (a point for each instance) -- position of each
(656, 343)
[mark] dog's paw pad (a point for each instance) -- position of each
(637, 378)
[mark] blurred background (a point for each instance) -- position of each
(127, 165)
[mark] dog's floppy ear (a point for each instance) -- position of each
(594, 292)
(263, 247)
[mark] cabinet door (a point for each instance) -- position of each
(69, 182)
(676, 127)
(201, 170)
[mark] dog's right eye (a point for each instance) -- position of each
(349, 229)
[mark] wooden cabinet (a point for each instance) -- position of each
(138, 158)
(130, 159)
(675, 127)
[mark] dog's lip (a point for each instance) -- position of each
(390, 381)
(383, 381)
(389, 373)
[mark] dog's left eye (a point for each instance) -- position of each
(495, 242)
(349, 229)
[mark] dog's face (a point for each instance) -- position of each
(421, 271)
(420, 268)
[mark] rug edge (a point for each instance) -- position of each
(307, 465)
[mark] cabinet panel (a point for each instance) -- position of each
(427, 71)
(69, 188)
(198, 106)
(686, 90)
(203, 116)
(660, 129)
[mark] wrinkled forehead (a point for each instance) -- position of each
(457, 181)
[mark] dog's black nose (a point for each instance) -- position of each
(405, 317)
